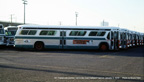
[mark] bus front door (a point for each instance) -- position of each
(62, 39)
(114, 40)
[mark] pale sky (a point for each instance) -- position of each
(125, 13)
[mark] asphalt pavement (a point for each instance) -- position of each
(72, 65)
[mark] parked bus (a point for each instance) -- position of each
(124, 38)
(136, 38)
(140, 39)
(131, 38)
(10, 32)
(67, 37)
(2, 35)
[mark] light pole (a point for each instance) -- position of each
(25, 3)
(76, 14)
(11, 17)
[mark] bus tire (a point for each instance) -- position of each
(39, 46)
(103, 47)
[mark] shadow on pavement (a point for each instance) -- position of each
(63, 72)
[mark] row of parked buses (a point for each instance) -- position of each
(76, 37)
(69, 37)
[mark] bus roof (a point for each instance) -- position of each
(66, 27)
(10, 27)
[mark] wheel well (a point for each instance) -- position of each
(39, 42)
(104, 43)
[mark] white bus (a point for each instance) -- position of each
(131, 38)
(136, 38)
(141, 39)
(2, 35)
(124, 38)
(67, 37)
(10, 32)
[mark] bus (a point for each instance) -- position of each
(2, 35)
(124, 38)
(142, 38)
(67, 37)
(10, 32)
(136, 38)
(131, 38)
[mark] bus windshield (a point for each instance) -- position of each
(10, 33)
(1, 31)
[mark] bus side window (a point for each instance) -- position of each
(100, 34)
(73, 33)
(43, 33)
(51, 32)
(81, 33)
(108, 36)
(93, 33)
(24, 32)
(32, 32)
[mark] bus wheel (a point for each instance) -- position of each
(39, 46)
(103, 47)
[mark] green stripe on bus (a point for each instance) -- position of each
(69, 38)
(57, 47)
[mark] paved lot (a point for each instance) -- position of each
(71, 65)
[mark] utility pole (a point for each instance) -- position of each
(118, 25)
(25, 3)
(76, 14)
(103, 23)
(60, 23)
(11, 18)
